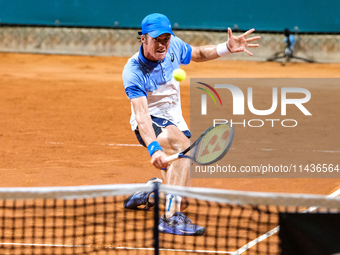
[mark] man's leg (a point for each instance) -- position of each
(174, 221)
(174, 141)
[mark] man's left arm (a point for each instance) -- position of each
(234, 44)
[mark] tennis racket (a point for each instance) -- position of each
(210, 147)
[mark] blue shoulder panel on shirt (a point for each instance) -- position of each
(134, 92)
(133, 80)
(183, 48)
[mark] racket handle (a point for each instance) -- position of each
(172, 157)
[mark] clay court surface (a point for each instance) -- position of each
(64, 121)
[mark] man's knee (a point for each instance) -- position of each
(183, 142)
(173, 139)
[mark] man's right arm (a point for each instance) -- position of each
(143, 118)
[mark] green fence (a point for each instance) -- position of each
(298, 15)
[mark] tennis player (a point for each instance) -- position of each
(156, 109)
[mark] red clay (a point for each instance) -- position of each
(63, 118)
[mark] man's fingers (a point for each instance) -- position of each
(253, 45)
(163, 164)
(159, 163)
(253, 38)
(248, 32)
(248, 52)
(230, 33)
(242, 42)
(158, 160)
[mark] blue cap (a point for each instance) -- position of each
(156, 24)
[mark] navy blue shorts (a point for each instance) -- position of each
(158, 124)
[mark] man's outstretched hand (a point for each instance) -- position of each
(241, 43)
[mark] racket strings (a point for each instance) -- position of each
(214, 144)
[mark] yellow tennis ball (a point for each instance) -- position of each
(179, 74)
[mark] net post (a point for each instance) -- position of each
(156, 219)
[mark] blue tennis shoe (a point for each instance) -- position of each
(140, 198)
(179, 224)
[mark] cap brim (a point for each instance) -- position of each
(157, 33)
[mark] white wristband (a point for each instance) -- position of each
(222, 49)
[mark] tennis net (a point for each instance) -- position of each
(92, 220)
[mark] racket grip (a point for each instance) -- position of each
(172, 157)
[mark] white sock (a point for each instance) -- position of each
(172, 205)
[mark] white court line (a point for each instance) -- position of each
(274, 230)
(262, 149)
(121, 144)
(176, 250)
(105, 144)
(46, 245)
(324, 151)
(118, 248)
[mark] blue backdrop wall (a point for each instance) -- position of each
(263, 15)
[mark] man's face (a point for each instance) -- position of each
(155, 49)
